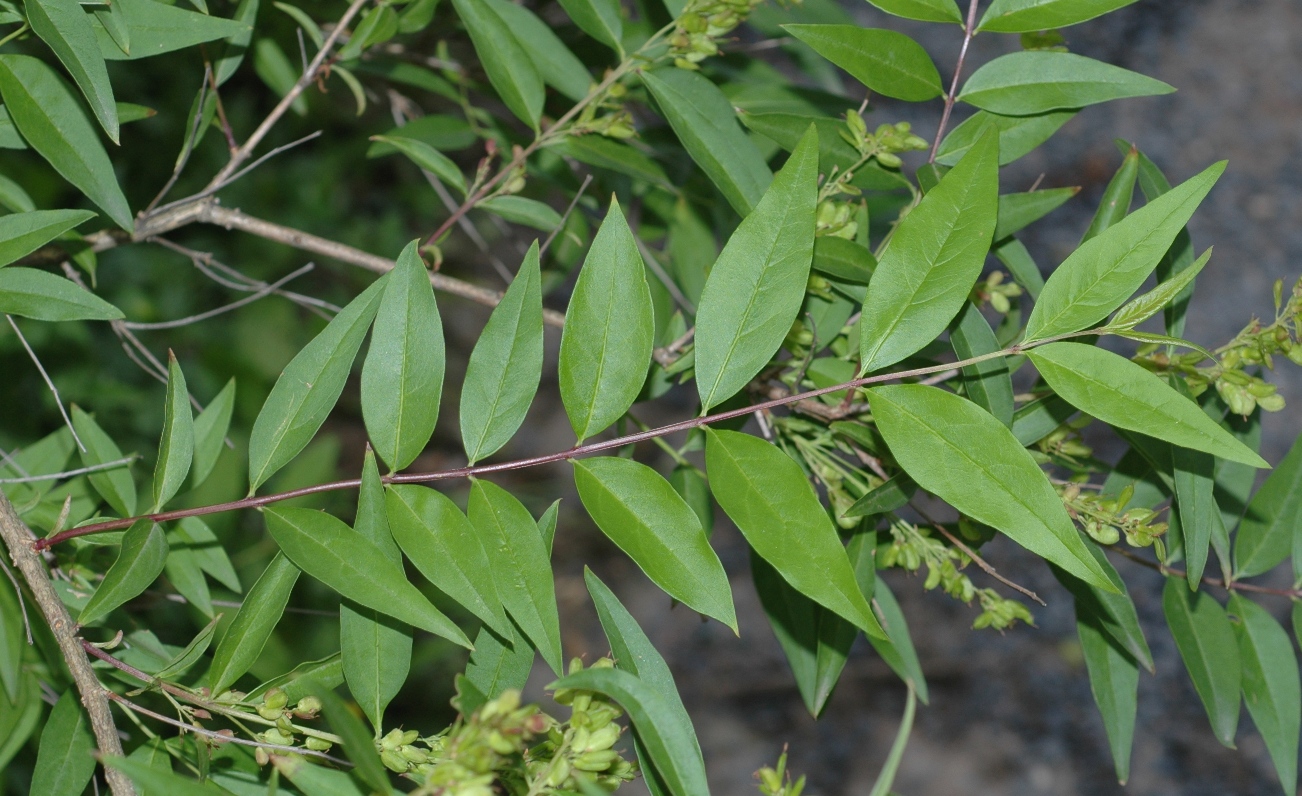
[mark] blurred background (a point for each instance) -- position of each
(1009, 713)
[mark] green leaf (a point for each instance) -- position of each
(1161, 339)
(815, 640)
(447, 549)
(559, 67)
(1146, 306)
(210, 427)
(519, 210)
(249, 630)
(188, 657)
(934, 257)
(691, 486)
(1029, 16)
(376, 649)
(308, 388)
(161, 780)
(65, 757)
(30, 293)
(12, 196)
(428, 158)
(1117, 196)
(116, 485)
(1124, 394)
(498, 664)
(960, 453)
(757, 285)
(843, 260)
(402, 378)
(1270, 684)
(325, 548)
(885, 497)
(116, 25)
(358, 743)
(176, 448)
(602, 152)
(641, 513)
(183, 571)
(600, 19)
(1025, 83)
(304, 678)
(12, 640)
(506, 61)
(886, 61)
(274, 68)
(1019, 210)
(1114, 681)
(1207, 646)
(23, 233)
(897, 650)
(158, 28)
(520, 565)
(667, 738)
(924, 10)
(1100, 274)
(885, 779)
(767, 495)
(1018, 135)
(609, 330)
(1112, 613)
(208, 549)
(237, 44)
(1272, 526)
(18, 719)
(143, 553)
(989, 384)
(505, 366)
(705, 123)
(66, 28)
(315, 779)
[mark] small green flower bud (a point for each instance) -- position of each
(308, 707)
(394, 761)
(889, 160)
(595, 760)
(317, 744)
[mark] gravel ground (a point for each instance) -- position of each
(1012, 713)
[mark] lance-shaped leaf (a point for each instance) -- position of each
(376, 649)
(557, 66)
(843, 260)
(600, 19)
(959, 452)
(1272, 525)
(183, 571)
(358, 743)
(1270, 684)
(447, 549)
(703, 119)
(308, 388)
(932, 261)
(139, 562)
(190, 655)
(646, 518)
(520, 566)
(897, 650)
(886, 61)
(249, 630)
(767, 495)
(924, 10)
(1181, 254)
(210, 427)
(176, 448)
(1112, 613)
(65, 757)
(23, 233)
(1038, 81)
(987, 383)
(208, 550)
(115, 485)
(505, 366)
(1029, 16)
(668, 739)
(1114, 681)
(42, 296)
(316, 779)
(1124, 394)
(1018, 135)
(757, 285)
(1019, 210)
(428, 158)
(328, 550)
(232, 52)
(66, 28)
(506, 61)
(1099, 275)
(12, 640)
(609, 330)
(1117, 196)
(1146, 306)
(498, 664)
(402, 378)
(1207, 646)
(157, 28)
(303, 679)
(47, 113)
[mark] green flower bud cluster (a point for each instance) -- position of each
(1064, 445)
(836, 219)
(275, 707)
(1107, 520)
(821, 450)
(885, 143)
(998, 292)
(581, 749)
(777, 782)
(606, 115)
(911, 547)
(701, 25)
(1255, 346)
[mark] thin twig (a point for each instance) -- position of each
(229, 277)
(203, 316)
(983, 564)
(188, 144)
(28, 479)
(212, 189)
(969, 30)
(659, 270)
(48, 381)
(1231, 586)
(669, 354)
(587, 180)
